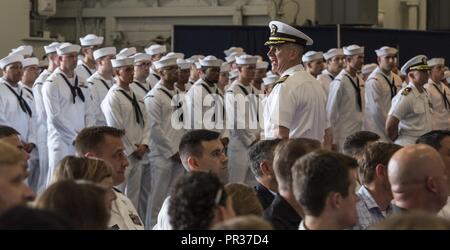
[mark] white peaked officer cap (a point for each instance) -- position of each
(165, 61)
(353, 50)
(262, 65)
(91, 40)
(232, 57)
(333, 53)
(312, 56)
(24, 50)
(270, 79)
(177, 55)
(384, 51)
(233, 74)
(436, 61)
(108, 51)
(183, 64)
(226, 67)
(30, 62)
(67, 48)
(122, 62)
(229, 51)
(416, 63)
(156, 49)
(126, 52)
(210, 61)
(246, 59)
(368, 68)
(51, 48)
(281, 33)
(141, 57)
(13, 58)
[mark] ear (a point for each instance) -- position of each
(334, 200)
(431, 184)
(381, 171)
(192, 163)
(265, 168)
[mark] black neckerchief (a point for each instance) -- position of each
(156, 76)
(180, 105)
(142, 86)
(246, 94)
(206, 87)
(392, 86)
(103, 81)
(22, 103)
(357, 89)
(29, 91)
(75, 90)
(137, 109)
(444, 96)
(87, 69)
(331, 76)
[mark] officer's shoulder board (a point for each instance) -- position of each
(282, 79)
(406, 91)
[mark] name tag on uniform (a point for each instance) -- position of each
(136, 219)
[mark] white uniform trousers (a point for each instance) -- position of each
(165, 172)
(132, 185)
(56, 152)
(239, 164)
(43, 166)
(146, 186)
(33, 170)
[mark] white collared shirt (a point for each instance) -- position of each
(96, 84)
(41, 116)
(124, 215)
(82, 70)
(441, 113)
(325, 80)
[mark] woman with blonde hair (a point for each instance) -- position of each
(245, 200)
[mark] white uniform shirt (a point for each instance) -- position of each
(124, 215)
(298, 104)
(441, 107)
(242, 116)
(210, 109)
(380, 89)
(84, 71)
(413, 109)
(28, 95)
(343, 110)
(163, 108)
(140, 88)
(41, 116)
(325, 80)
(12, 114)
(65, 119)
(120, 113)
(153, 78)
(99, 87)
(163, 222)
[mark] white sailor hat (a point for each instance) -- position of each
(51, 48)
(368, 68)
(156, 49)
(353, 50)
(281, 33)
(436, 61)
(126, 52)
(13, 58)
(140, 57)
(122, 62)
(416, 63)
(210, 61)
(198, 65)
(165, 61)
(67, 48)
(384, 51)
(108, 51)
(195, 58)
(333, 53)
(183, 64)
(246, 59)
(91, 40)
(176, 54)
(24, 50)
(30, 61)
(233, 74)
(262, 65)
(229, 51)
(232, 57)
(312, 56)
(270, 78)
(225, 67)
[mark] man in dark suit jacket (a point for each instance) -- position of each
(261, 158)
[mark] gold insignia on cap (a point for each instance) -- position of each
(273, 30)
(406, 91)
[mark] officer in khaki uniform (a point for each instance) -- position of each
(410, 114)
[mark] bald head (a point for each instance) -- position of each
(417, 173)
